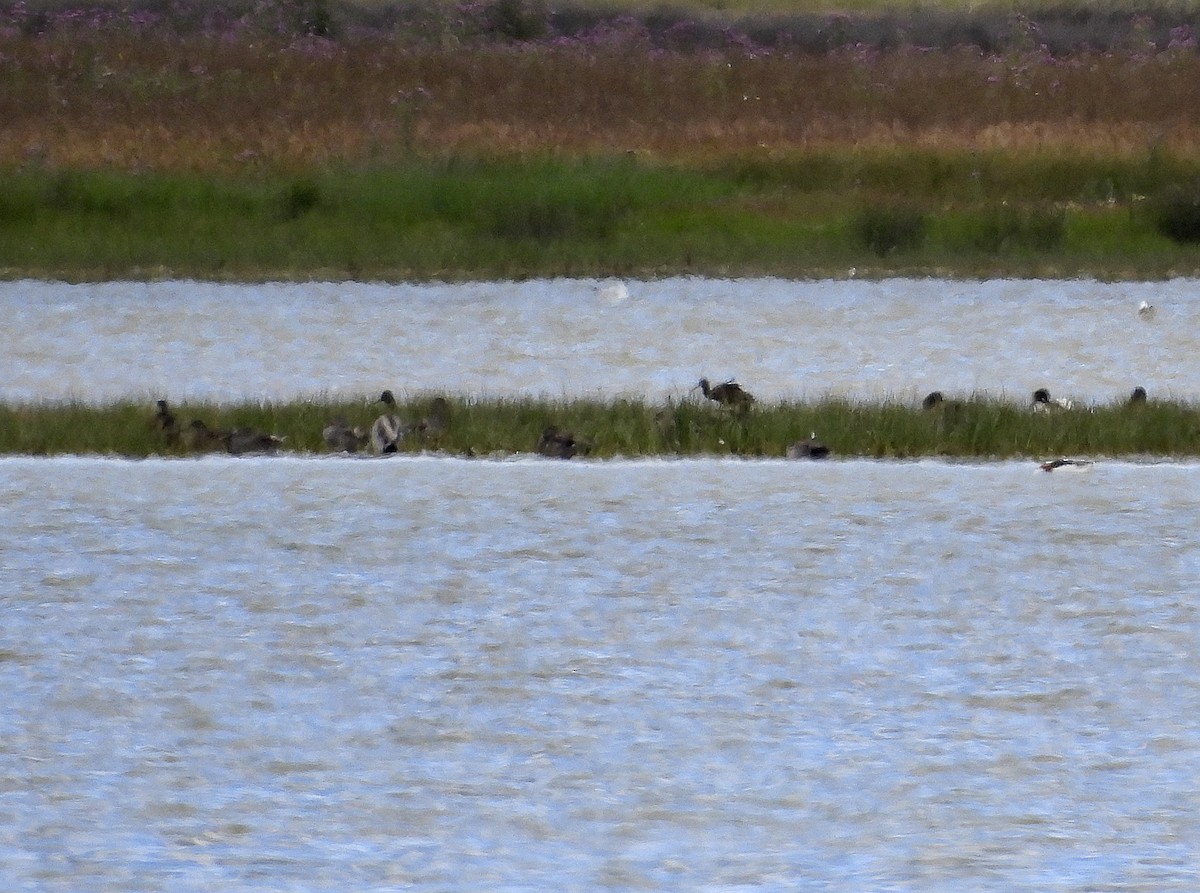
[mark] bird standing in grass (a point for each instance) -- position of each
(436, 422)
(388, 431)
(729, 393)
(165, 424)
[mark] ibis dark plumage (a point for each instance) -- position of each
(728, 393)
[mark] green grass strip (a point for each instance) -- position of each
(810, 215)
(983, 428)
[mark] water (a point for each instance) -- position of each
(423, 673)
(441, 674)
(781, 339)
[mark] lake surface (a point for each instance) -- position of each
(781, 339)
(436, 674)
(441, 674)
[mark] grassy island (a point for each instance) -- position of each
(979, 428)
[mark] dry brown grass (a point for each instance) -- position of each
(207, 104)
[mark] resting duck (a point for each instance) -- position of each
(559, 444)
(808, 449)
(341, 438)
(199, 438)
(246, 441)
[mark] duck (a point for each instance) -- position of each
(1042, 402)
(341, 438)
(164, 422)
(199, 438)
(387, 430)
(729, 393)
(808, 449)
(436, 422)
(558, 444)
(1137, 397)
(933, 400)
(1146, 310)
(247, 441)
(1075, 464)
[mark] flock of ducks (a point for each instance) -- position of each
(389, 430)
(197, 437)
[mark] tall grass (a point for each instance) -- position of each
(986, 429)
(200, 101)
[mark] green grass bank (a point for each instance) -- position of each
(809, 214)
(972, 428)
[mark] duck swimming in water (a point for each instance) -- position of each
(1074, 464)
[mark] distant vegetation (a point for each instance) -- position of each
(966, 428)
(300, 138)
(821, 213)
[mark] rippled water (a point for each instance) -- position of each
(439, 674)
(442, 674)
(780, 338)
